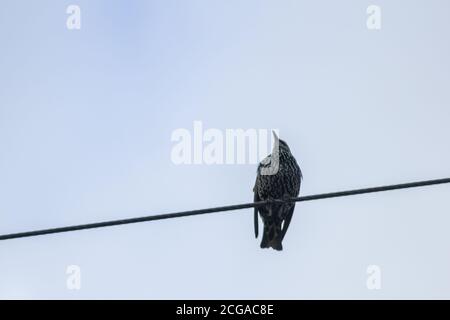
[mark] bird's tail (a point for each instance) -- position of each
(272, 236)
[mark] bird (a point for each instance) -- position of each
(278, 178)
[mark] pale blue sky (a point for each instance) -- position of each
(86, 119)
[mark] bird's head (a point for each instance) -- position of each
(282, 145)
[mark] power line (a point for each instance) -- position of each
(224, 208)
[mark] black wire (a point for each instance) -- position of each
(225, 208)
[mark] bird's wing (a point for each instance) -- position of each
(256, 199)
(287, 221)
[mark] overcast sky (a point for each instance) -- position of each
(86, 119)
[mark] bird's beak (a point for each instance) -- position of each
(275, 135)
(276, 141)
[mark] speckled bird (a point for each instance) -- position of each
(278, 177)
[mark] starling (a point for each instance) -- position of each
(278, 177)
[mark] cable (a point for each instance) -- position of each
(225, 208)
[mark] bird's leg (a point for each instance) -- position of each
(282, 205)
(287, 204)
(270, 205)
